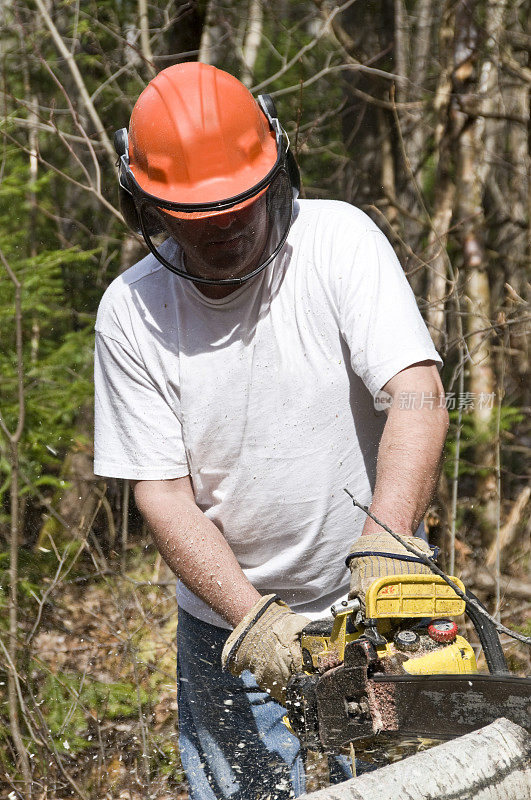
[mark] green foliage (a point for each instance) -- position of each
(37, 569)
(473, 435)
(165, 759)
(57, 359)
(525, 629)
(71, 700)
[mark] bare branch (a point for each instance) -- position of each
(330, 70)
(68, 178)
(80, 83)
(306, 48)
(515, 68)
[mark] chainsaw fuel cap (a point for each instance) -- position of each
(407, 640)
(442, 630)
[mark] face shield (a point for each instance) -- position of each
(224, 242)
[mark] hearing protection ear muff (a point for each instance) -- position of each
(267, 104)
(128, 208)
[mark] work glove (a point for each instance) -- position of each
(267, 642)
(378, 554)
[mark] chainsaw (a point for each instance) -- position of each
(399, 667)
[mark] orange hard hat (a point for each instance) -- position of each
(201, 149)
(197, 135)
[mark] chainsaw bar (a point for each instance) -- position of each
(381, 677)
(453, 706)
(436, 706)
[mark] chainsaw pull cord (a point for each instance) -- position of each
(470, 600)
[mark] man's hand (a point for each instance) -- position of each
(267, 642)
(377, 554)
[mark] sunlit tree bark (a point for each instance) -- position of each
(251, 44)
(474, 154)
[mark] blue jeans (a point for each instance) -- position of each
(232, 740)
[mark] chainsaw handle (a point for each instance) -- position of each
(488, 637)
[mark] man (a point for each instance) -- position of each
(236, 367)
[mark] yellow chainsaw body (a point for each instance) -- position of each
(410, 596)
(389, 601)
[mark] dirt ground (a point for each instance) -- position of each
(103, 672)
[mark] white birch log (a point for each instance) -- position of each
(493, 763)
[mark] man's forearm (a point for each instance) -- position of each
(408, 468)
(409, 460)
(195, 549)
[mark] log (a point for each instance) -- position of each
(493, 763)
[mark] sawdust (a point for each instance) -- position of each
(328, 660)
(382, 706)
(393, 665)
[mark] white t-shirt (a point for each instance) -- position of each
(264, 397)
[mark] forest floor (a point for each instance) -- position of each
(103, 672)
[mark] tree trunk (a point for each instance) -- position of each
(367, 28)
(490, 764)
(401, 48)
(210, 35)
(251, 42)
(33, 146)
(13, 442)
(184, 33)
(143, 20)
(444, 194)
(387, 166)
(472, 169)
(13, 700)
(516, 248)
(421, 49)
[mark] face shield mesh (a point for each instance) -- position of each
(221, 247)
